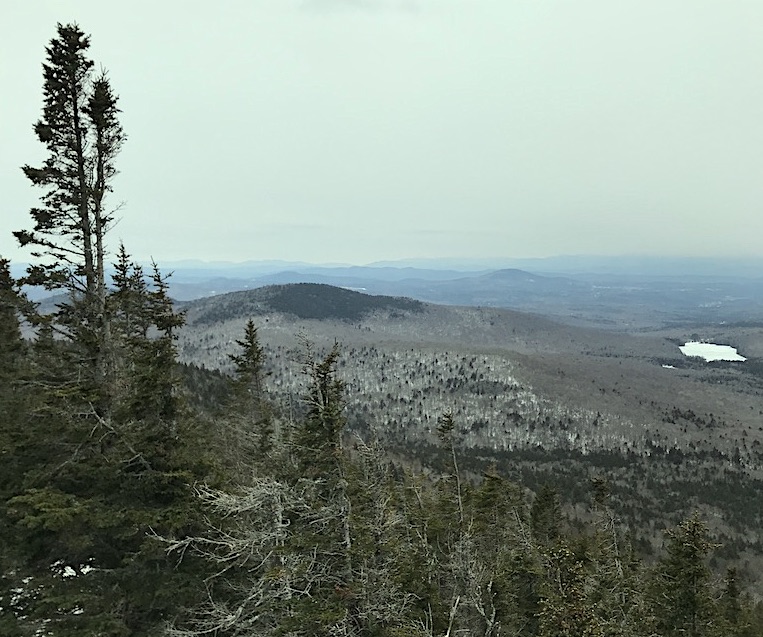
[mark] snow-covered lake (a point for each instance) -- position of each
(711, 351)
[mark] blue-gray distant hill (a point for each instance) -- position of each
(503, 288)
(301, 300)
(616, 293)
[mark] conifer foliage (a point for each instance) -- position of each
(100, 449)
(252, 422)
(125, 513)
(82, 134)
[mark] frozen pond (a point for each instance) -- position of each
(711, 352)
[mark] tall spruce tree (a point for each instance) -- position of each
(546, 516)
(319, 456)
(109, 453)
(682, 597)
(81, 131)
(252, 423)
(14, 414)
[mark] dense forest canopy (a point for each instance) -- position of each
(126, 508)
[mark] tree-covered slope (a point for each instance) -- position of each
(300, 300)
(139, 498)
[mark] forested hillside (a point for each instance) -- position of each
(130, 505)
(546, 403)
(302, 300)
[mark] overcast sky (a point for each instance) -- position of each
(358, 130)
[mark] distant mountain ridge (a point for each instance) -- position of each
(300, 300)
(617, 293)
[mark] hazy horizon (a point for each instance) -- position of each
(358, 131)
(563, 265)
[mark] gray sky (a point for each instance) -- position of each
(358, 130)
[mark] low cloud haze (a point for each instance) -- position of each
(355, 131)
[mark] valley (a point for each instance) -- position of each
(547, 403)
